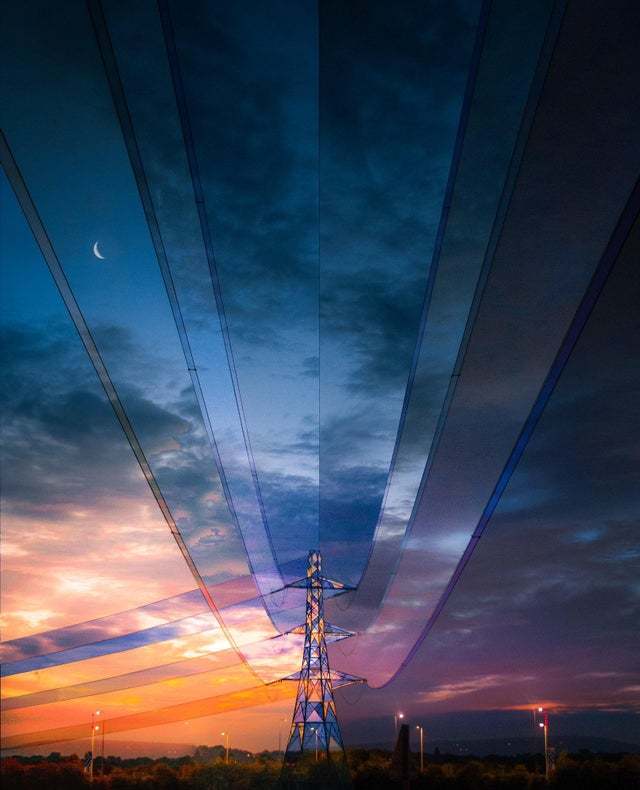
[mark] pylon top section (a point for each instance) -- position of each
(315, 578)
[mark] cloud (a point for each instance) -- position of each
(389, 93)
(71, 484)
(448, 691)
(69, 423)
(260, 186)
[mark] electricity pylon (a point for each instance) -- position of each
(314, 727)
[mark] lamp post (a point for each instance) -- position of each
(315, 731)
(419, 727)
(102, 749)
(545, 727)
(226, 741)
(396, 718)
(94, 728)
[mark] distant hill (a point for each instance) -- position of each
(513, 746)
(507, 747)
(133, 749)
(125, 749)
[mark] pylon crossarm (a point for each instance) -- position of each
(337, 632)
(334, 631)
(299, 630)
(337, 678)
(348, 680)
(320, 581)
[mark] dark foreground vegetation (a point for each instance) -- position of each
(368, 769)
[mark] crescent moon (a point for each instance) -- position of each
(96, 252)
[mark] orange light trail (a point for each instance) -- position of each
(207, 706)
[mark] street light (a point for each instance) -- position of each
(94, 728)
(226, 737)
(544, 724)
(104, 727)
(419, 727)
(397, 717)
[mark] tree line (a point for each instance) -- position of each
(368, 769)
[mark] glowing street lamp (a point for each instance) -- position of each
(104, 727)
(544, 724)
(396, 718)
(94, 729)
(419, 727)
(226, 741)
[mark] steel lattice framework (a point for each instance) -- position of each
(315, 725)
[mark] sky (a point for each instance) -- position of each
(343, 248)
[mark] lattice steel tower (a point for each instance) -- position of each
(315, 725)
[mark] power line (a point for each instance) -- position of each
(44, 243)
(194, 170)
(105, 47)
(628, 218)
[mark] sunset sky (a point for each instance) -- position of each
(366, 280)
